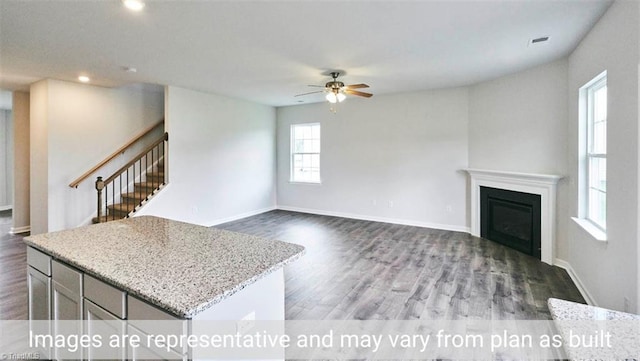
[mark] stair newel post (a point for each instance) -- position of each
(99, 187)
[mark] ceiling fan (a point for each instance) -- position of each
(336, 90)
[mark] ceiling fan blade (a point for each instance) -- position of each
(318, 91)
(358, 93)
(357, 86)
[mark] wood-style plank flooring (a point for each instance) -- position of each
(13, 272)
(369, 270)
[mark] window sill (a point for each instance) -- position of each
(306, 183)
(594, 231)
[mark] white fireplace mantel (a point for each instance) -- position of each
(540, 184)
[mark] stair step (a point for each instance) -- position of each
(133, 197)
(120, 209)
(160, 166)
(104, 219)
(155, 177)
(146, 187)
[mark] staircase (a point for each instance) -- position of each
(131, 186)
(130, 202)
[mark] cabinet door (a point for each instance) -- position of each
(149, 353)
(39, 295)
(67, 319)
(66, 304)
(104, 324)
(39, 286)
(66, 307)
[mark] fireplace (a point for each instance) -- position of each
(511, 218)
(543, 185)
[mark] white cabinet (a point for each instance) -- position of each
(74, 303)
(67, 292)
(66, 306)
(106, 296)
(100, 322)
(105, 309)
(39, 299)
(150, 353)
(39, 307)
(39, 295)
(143, 319)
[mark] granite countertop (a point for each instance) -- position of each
(605, 334)
(562, 310)
(179, 267)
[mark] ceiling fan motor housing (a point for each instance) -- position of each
(333, 85)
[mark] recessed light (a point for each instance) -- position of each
(84, 78)
(135, 5)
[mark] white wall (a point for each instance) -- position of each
(609, 270)
(221, 159)
(638, 257)
(39, 151)
(6, 159)
(81, 125)
(21, 163)
(408, 149)
(519, 123)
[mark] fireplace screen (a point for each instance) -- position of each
(511, 218)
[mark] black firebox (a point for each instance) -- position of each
(511, 218)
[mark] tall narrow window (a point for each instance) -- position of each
(596, 152)
(305, 153)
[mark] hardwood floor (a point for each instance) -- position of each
(13, 272)
(369, 270)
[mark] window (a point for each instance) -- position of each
(305, 153)
(594, 192)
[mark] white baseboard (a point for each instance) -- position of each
(6, 208)
(405, 222)
(240, 216)
(18, 230)
(574, 277)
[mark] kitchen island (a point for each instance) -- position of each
(601, 334)
(150, 268)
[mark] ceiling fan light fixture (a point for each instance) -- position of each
(336, 91)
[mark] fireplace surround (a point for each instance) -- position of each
(544, 185)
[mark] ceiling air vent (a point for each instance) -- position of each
(538, 41)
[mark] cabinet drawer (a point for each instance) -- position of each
(67, 277)
(105, 296)
(39, 261)
(140, 310)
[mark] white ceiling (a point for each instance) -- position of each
(268, 51)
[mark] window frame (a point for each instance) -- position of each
(293, 153)
(599, 83)
(588, 154)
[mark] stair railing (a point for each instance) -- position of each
(113, 155)
(127, 182)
